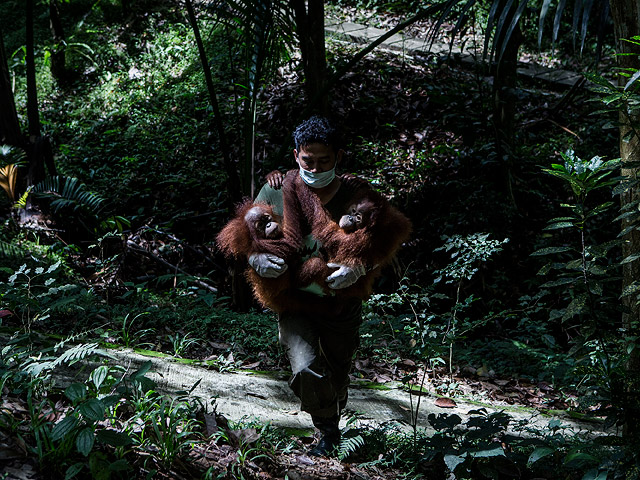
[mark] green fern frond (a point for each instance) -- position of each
(8, 250)
(349, 446)
(77, 353)
(22, 201)
(74, 354)
(72, 339)
(69, 192)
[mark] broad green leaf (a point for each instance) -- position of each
(539, 453)
(594, 474)
(559, 225)
(452, 461)
(559, 282)
(85, 440)
(612, 98)
(632, 80)
(601, 250)
(628, 136)
(579, 459)
(630, 258)
(110, 401)
(119, 465)
(597, 269)
(598, 80)
(144, 368)
(75, 392)
(73, 470)
(92, 409)
(625, 215)
(550, 251)
(545, 269)
(63, 427)
(99, 375)
(113, 438)
(627, 230)
(496, 451)
(99, 466)
(596, 288)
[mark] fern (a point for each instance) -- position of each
(22, 201)
(77, 353)
(70, 356)
(71, 339)
(349, 446)
(69, 192)
(8, 250)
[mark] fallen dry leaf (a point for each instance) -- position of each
(444, 402)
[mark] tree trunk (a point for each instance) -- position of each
(10, 133)
(310, 29)
(234, 189)
(35, 150)
(626, 20)
(241, 294)
(58, 52)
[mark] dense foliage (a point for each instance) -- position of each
(512, 273)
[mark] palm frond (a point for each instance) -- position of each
(556, 21)
(69, 193)
(10, 154)
(504, 15)
(512, 25)
(543, 14)
(586, 14)
(8, 178)
(77, 353)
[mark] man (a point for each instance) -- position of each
(320, 347)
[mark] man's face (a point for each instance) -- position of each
(317, 157)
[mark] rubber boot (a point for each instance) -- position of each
(329, 436)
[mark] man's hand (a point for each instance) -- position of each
(267, 265)
(345, 276)
(275, 179)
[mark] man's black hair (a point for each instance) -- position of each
(317, 130)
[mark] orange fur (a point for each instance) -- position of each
(373, 245)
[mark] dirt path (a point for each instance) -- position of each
(267, 398)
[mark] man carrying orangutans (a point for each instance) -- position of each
(321, 339)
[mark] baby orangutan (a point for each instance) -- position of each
(263, 222)
(367, 235)
(358, 216)
(255, 228)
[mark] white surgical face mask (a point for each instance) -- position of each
(318, 179)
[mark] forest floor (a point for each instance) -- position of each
(259, 398)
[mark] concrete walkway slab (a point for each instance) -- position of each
(363, 34)
(267, 398)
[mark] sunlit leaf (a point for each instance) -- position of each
(634, 78)
(452, 461)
